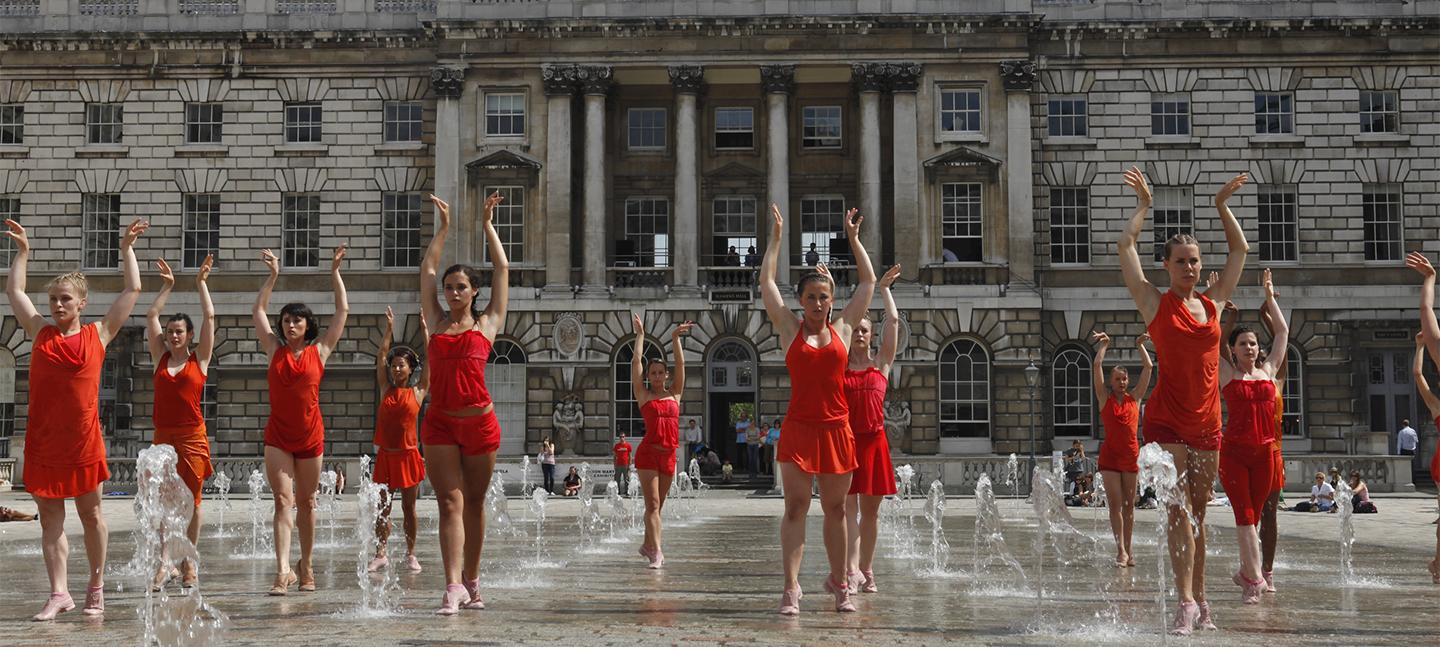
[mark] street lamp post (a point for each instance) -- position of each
(1032, 377)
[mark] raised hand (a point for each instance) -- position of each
(338, 257)
(823, 269)
(390, 319)
(1140, 341)
(17, 234)
(852, 222)
(1231, 310)
(639, 325)
(1136, 181)
(137, 227)
(204, 274)
(1212, 279)
(271, 261)
(777, 219)
(1269, 285)
(442, 210)
(165, 273)
(682, 329)
(1230, 188)
(1420, 340)
(491, 201)
(890, 276)
(1414, 260)
(1100, 339)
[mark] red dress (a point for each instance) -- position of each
(179, 421)
(64, 446)
(295, 425)
(1435, 460)
(398, 463)
(457, 382)
(1278, 468)
(1184, 408)
(662, 436)
(1247, 455)
(816, 435)
(1120, 451)
(865, 395)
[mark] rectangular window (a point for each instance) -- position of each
(1067, 117)
(1174, 214)
(201, 228)
(1379, 111)
(303, 122)
(400, 230)
(300, 233)
(101, 230)
(209, 400)
(647, 233)
(1274, 113)
(1170, 114)
(1069, 225)
(646, 128)
(733, 231)
(1279, 227)
(404, 121)
(203, 122)
(104, 123)
(1383, 216)
(820, 127)
(822, 231)
(9, 210)
(509, 222)
(960, 110)
(734, 128)
(7, 427)
(12, 123)
(505, 114)
(961, 223)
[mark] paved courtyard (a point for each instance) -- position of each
(721, 584)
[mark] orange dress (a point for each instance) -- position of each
(865, 395)
(64, 446)
(1279, 468)
(295, 425)
(179, 422)
(398, 463)
(816, 434)
(1184, 408)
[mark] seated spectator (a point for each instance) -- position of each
(1081, 491)
(6, 514)
(572, 482)
(1074, 462)
(709, 463)
(727, 472)
(1146, 500)
(1360, 500)
(1322, 496)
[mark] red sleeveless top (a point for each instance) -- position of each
(63, 429)
(662, 422)
(295, 420)
(457, 370)
(177, 397)
(865, 395)
(1252, 412)
(817, 381)
(395, 422)
(1186, 398)
(1121, 419)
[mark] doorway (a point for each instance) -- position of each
(730, 380)
(1391, 394)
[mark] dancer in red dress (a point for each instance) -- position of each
(815, 442)
(295, 430)
(398, 465)
(179, 379)
(1247, 452)
(1429, 337)
(1120, 451)
(461, 433)
(64, 448)
(867, 376)
(1184, 410)
(657, 392)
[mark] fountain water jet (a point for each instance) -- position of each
(990, 548)
(222, 486)
(164, 507)
(1157, 471)
(379, 591)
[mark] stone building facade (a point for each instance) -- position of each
(635, 148)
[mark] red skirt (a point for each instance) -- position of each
(817, 449)
(1115, 457)
(653, 456)
(875, 476)
(399, 469)
(49, 482)
(192, 448)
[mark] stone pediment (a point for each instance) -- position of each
(961, 159)
(735, 170)
(504, 159)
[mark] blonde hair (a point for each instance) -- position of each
(75, 279)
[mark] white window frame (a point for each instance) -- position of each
(1173, 213)
(954, 212)
(7, 400)
(304, 122)
(100, 231)
(509, 221)
(1076, 122)
(507, 372)
(1072, 392)
(715, 137)
(1388, 112)
(811, 126)
(962, 112)
(294, 252)
(204, 118)
(12, 124)
(1072, 222)
(973, 382)
(104, 124)
(1164, 107)
(626, 418)
(1277, 210)
(1264, 113)
(400, 246)
(10, 206)
(726, 235)
(195, 207)
(400, 120)
(810, 230)
(659, 240)
(647, 128)
(1294, 396)
(1393, 201)
(504, 112)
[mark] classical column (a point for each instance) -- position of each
(905, 216)
(559, 81)
(870, 79)
(448, 84)
(1019, 78)
(685, 252)
(778, 82)
(595, 81)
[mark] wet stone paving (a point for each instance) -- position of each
(721, 582)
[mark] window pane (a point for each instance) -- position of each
(1174, 214)
(733, 239)
(509, 222)
(822, 231)
(820, 127)
(1072, 394)
(1381, 213)
(200, 228)
(403, 121)
(646, 128)
(12, 124)
(734, 128)
(647, 233)
(505, 114)
(964, 390)
(400, 229)
(303, 123)
(300, 234)
(1069, 225)
(961, 223)
(960, 110)
(1279, 230)
(101, 230)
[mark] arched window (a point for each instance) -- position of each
(7, 401)
(505, 377)
(1293, 422)
(1071, 393)
(627, 418)
(964, 390)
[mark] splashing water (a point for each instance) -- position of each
(898, 516)
(328, 479)
(617, 511)
(164, 506)
(538, 499)
(1345, 502)
(1098, 501)
(222, 485)
(1157, 471)
(588, 513)
(256, 549)
(632, 490)
(990, 547)
(525, 485)
(1012, 479)
(379, 591)
(497, 504)
(935, 514)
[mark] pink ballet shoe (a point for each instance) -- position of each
(377, 564)
(841, 591)
(853, 580)
(657, 559)
(474, 602)
(1250, 590)
(868, 583)
(450, 603)
(413, 564)
(94, 601)
(1269, 581)
(1185, 617)
(1204, 621)
(57, 604)
(645, 552)
(790, 602)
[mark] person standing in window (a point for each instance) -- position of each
(812, 257)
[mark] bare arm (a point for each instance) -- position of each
(331, 337)
(430, 308)
(493, 320)
(890, 340)
(1234, 238)
(382, 370)
(678, 347)
(1280, 334)
(780, 317)
(1097, 367)
(1146, 296)
(1147, 367)
(205, 347)
(637, 364)
(424, 386)
(258, 314)
(20, 305)
(865, 291)
(155, 332)
(120, 309)
(1417, 371)
(1229, 316)
(1428, 325)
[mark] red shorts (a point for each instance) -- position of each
(399, 469)
(64, 482)
(1245, 471)
(312, 451)
(817, 448)
(874, 476)
(653, 456)
(474, 435)
(1203, 441)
